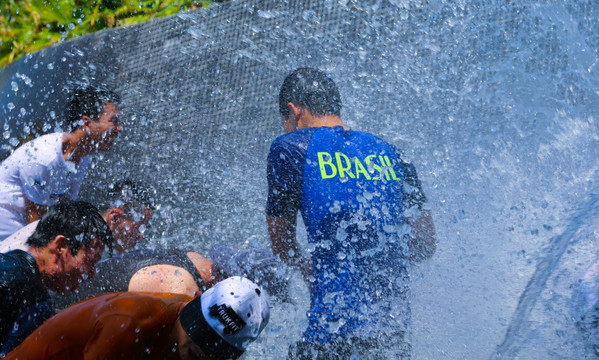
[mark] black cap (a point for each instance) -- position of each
(201, 333)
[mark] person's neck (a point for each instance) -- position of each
(324, 121)
(42, 258)
(75, 146)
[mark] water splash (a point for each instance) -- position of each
(546, 266)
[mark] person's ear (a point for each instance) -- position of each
(295, 109)
(59, 243)
(58, 248)
(86, 120)
(85, 123)
(113, 216)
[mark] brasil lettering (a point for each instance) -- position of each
(342, 165)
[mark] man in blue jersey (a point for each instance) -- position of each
(363, 209)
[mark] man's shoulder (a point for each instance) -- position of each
(18, 240)
(375, 138)
(16, 267)
(123, 299)
(293, 145)
(382, 142)
(43, 142)
(43, 150)
(295, 138)
(136, 305)
(13, 259)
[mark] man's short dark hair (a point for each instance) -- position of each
(312, 89)
(127, 195)
(78, 221)
(88, 101)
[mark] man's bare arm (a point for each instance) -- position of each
(284, 244)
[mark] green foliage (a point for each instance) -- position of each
(30, 25)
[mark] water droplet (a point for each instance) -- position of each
(341, 234)
(14, 86)
(269, 14)
(390, 229)
(25, 79)
(335, 208)
(10, 106)
(310, 15)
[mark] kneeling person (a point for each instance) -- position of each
(126, 207)
(181, 272)
(62, 252)
(218, 325)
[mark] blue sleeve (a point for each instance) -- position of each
(25, 323)
(284, 174)
(412, 187)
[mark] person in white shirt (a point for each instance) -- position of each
(41, 172)
(127, 208)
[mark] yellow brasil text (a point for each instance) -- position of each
(340, 164)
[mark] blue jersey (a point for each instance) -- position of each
(352, 189)
(26, 302)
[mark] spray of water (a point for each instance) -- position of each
(514, 337)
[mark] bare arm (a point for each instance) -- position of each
(206, 268)
(422, 242)
(284, 244)
(33, 211)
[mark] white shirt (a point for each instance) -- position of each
(18, 240)
(36, 170)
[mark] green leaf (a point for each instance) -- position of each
(31, 25)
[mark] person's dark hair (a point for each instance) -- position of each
(312, 89)
(88, 101)
(127, 195)
(78, 221)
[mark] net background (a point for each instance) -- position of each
(473, 92)
(201, 87)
